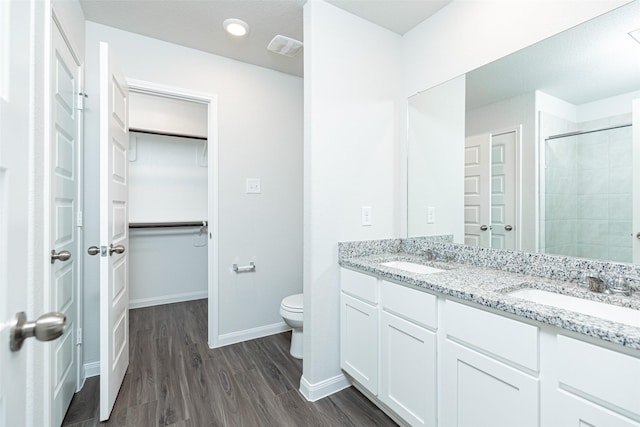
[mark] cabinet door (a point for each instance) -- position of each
(478, 391)
(359, 341)
(570, 410)
(408, 370)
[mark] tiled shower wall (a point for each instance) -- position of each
(588, 198)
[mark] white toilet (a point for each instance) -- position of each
(292, 311)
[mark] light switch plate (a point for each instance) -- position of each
(431, 215)
(367, 215)
(253, 186)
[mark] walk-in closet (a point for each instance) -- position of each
(168, 190)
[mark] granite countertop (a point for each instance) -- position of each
(490, 287)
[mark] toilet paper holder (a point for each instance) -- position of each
(244, 269)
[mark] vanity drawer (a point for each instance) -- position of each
(509, 339)
(359, 285)
(412, 304)
(596, 372)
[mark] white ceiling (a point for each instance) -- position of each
(198, 24)
(594, 60)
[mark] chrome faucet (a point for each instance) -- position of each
(430, 254)
(606, 283)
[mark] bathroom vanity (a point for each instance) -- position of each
(465, 346)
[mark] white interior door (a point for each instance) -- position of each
(477, 190)
(503, 190)
(63, 238)
(14, 189)
(636, 181)
(114, 234)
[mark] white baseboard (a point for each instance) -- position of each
(317, 391)
(167, 299)
(91, 369)
(250, 334)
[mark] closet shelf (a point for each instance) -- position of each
(167, 224)
(179, 135)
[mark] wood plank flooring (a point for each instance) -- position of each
(174, 379)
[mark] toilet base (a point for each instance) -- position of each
(296, 343)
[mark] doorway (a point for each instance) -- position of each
(491, 190)
(208, 155)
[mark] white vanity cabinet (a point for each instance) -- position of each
(388, 344)
(489, 370)
(468, 366)
(593, 386)
(359, 328)
(408, 380)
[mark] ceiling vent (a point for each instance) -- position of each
(284, 45)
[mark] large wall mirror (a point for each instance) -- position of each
(536, 151)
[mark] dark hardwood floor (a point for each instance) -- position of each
(174, 379)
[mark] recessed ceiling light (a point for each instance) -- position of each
(635, 34)
(236, 27)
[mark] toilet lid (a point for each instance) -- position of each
(293, 303)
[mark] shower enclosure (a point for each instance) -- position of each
(586, 191)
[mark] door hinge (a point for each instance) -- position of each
(81, 98)
(79, 337)
(79, 219)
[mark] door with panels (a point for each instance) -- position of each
(63, 157)
(503, 190)
(15, 33)
(114, 232)
(477, 189)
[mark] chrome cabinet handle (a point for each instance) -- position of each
(119, 249)
(60, 256)
(48, 327)
(93, 250)
(484, 228)
(508, 227)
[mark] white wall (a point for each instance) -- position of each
(167, 182)
(260, 136)
(352, 82)
(608, 107)
(167, 265)
(436, 141)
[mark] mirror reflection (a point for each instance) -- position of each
(535, 151)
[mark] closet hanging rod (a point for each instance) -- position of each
(167, 224)
(179, 135)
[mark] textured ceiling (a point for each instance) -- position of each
(198, 24)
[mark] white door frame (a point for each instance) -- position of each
(144, 87)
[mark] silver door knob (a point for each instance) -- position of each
(638, 235)
(48, 327)
(59, 256)
(93, 250)
(508, 227)
(119, 249)
(484, 228)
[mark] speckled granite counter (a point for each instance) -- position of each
(489, 287)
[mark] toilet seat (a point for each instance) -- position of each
(293, 303)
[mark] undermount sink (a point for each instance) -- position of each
(614, 313)
(412, 267)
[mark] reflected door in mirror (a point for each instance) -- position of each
(490, 190)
